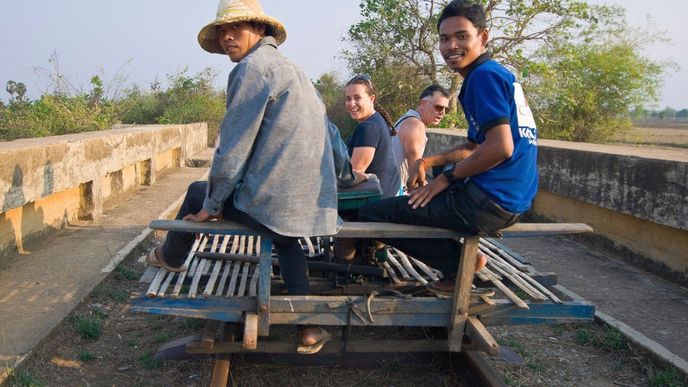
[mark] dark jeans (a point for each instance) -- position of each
(461, 207)
(292, 260)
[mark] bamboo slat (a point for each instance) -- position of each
(397, 265)
(237, 266)
(155, 285)
(409, 268)
(228, 267)
(199, 244)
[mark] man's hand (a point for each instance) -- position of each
(422, 196)
(201, 216)
(416, 177)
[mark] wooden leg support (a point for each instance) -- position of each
(462, 292)
(479, 336)
(251, 331)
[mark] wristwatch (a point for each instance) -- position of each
(449, 175)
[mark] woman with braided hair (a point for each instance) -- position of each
(370, 146)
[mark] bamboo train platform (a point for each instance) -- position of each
(230, 280)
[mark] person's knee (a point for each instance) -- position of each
(197, 186)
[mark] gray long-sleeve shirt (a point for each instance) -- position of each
(274, 148)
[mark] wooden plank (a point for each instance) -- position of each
(220, 309)
(391, 272)
(264, 270)
(208, 339)
(237, 266)
(528, 279)
(332, 347)
(515, 277)
(430, 272)
(406, 313)
(409, 268)
(462, 292)
(507, 251)
(193, 289)
(199, 244)
(507, 292)
(148, 275)
(165, 285)
(228, 266)
(250, 331)
(378, 230)
(155, 284)
(309, 243)
(397, 265)
(476, 331)
(210, 285)
(221, 369)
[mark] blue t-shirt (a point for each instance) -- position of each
(374, 132)
(491, 96)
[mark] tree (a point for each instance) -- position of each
(331, 90)
(587, 91)
(396, 43)
(683, 113)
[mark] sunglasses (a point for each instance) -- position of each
(362, 78)
(438, 108)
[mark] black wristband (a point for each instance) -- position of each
(449, 175)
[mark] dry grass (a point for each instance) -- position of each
(673, 135)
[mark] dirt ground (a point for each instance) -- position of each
(103, 344)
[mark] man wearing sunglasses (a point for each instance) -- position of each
(409, 143)
(492, 178)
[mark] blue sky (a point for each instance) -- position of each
(142, 40)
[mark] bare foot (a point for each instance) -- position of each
(480, 262)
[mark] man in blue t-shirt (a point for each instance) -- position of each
(492, 178)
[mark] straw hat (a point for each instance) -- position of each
(235, 11)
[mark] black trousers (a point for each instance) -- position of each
(461, 207)
(292, 260)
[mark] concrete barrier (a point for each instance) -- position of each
(48, 182)
(635, 198)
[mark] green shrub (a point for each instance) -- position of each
(88, 327)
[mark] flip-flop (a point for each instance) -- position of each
(316, 347)
(152, 260)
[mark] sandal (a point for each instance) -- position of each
(441, 287)
(315, 347)
(153, 260)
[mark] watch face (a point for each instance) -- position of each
(449, 175)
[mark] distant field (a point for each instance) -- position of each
(675, 134)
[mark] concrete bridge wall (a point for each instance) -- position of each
(48, 182)
(635, 198)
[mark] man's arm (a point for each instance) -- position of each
(454, 155)
(411, 134)
(248, 94)
(498, 146)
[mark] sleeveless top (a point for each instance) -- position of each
(398, 148)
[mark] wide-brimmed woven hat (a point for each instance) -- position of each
(235, 11)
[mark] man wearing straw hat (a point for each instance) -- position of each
(273, 169)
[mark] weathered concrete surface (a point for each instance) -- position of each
(39, 289)
(636, 198)
(652, 189)
(48, 182)
(651, 305)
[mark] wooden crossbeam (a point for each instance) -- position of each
(378, 230)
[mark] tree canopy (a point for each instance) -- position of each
(396, 43)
